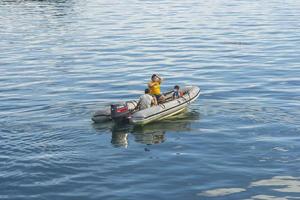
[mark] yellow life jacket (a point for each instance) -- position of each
(154, 87)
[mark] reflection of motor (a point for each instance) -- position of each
(119, 112)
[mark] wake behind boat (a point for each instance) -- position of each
(127, 110)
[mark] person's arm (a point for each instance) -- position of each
(180, 93)
(150, 84)
(160, 79)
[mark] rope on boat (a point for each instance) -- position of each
(162, 105)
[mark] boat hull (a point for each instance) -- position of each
(167, 109)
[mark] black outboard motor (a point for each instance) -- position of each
(119, 112)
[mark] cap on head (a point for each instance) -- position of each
(147, 91)
(176, 87)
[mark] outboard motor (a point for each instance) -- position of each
(119, 112)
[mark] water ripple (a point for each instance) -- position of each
(60, 60)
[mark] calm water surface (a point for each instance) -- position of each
(62, 60)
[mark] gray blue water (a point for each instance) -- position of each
(60, 60)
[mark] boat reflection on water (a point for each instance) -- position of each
(153, 133)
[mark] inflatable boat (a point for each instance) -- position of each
(127, 110)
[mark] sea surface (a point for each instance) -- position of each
(61, 60)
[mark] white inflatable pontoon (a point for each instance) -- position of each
(169, 108)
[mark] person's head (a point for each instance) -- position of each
(176, 87)
(147, 91)
(154, 77)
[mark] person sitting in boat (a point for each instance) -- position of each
(146, 100)
(154, 87)
(177, 93)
